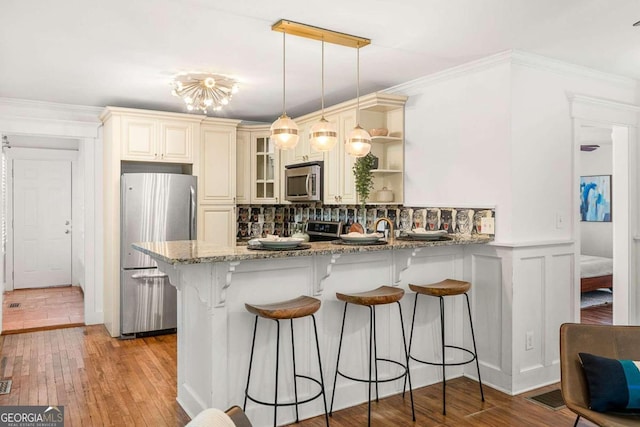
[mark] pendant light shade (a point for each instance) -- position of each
(358, 143)
(323, 135)
(284, 131)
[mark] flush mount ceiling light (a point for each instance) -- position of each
(322, 134)
(358, 143)
(284, 131)
(204, 91)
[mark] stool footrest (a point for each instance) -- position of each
(385, 380)
(291, 403)
(473, 357)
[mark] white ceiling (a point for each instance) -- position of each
(124, 52)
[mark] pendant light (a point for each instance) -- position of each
(323, 135)
(284, 131)
(358, 143)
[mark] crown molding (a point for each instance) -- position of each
(533, 60)
(42, 109)
(514, 57)
(451, 73)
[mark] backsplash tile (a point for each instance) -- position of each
(283, 220)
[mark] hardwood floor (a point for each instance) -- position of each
(106, 381)
(100, 380)
(597, 315)
(44, 308)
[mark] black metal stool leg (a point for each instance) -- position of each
(275, 406)
(406, 355)
(475, 351)
(295, 374)
(335, 378)
(370, 363)
(375, 349)
(444, 378)
(413, 320)
(324, 397)
(253, 343)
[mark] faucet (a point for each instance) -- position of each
(388, 221)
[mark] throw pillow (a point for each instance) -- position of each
(614, 385)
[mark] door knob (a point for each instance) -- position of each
(66, 232)
(66, 223)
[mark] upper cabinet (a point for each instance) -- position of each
(302, 152)
(265, 169)
(339, 183)
(243, 167)
(158, 139)
(217, 181)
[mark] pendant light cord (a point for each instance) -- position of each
(284, 72)
(358, 86)
(322, 78)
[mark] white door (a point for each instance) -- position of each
(41, 223)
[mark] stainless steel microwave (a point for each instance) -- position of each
(303, 182)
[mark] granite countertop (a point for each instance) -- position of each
(194, 251)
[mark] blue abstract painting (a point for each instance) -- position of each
(595, 198)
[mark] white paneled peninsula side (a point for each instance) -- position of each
(214, 328)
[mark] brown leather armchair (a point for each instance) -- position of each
(615, 342)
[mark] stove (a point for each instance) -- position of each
(322, 231)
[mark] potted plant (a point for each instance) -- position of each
(364, 178)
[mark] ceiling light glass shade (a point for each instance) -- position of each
(358, 143)
(323, 136)
(284, 133)
(204, 92)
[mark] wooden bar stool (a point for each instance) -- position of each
(370, 299)
(302, 306)
(446, 288)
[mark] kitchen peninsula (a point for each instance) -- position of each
(214, 329)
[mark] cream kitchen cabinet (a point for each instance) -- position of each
(217, 172)
(265, 169)
(339, 183)
(302, 152)
(243, 167)
(217, 224)
(152, 139)
(386, 113)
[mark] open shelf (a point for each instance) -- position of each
(386, 171)
(385, 139)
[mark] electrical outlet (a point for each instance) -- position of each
(528, 341)
(487, 225)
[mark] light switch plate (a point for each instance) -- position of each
(487, 225)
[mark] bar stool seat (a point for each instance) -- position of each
(381, 295)
(291, 309)
(370, 299)
(442, 289)
(447, 287)
(296, 308)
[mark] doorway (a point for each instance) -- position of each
(43, 254)
(595, 168)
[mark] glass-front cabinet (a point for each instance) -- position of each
(265, 169)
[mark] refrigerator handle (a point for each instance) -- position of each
(192, 214)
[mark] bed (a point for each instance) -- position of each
(595, 272)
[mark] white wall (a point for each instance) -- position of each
(499, 131)
(596, 238)
(542, 141)
(457, 141)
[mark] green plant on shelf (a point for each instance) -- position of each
(363, 177)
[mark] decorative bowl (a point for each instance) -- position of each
(378, 132)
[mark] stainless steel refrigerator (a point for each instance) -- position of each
(154, 207)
